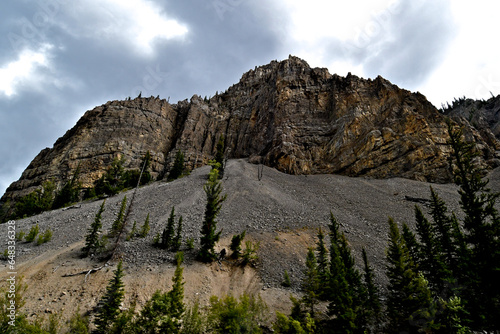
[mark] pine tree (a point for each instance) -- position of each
(177, 240)
(310, 285)
(112, 181)
(340, 298)
(219, 156)
(133, 232)
(236, 244)
(409, 300)
(322, 260)
(412, 245)
(146, 167)
(118, 223)
(209, 236)
(145, 228)
(431, 260)
(443, 228)
(92, 241)
(373, 306)
(178, 167)
(163, 312)
(177, 292)
(70, 192)
(111, 301)
(354, 295)
(168, 231)
(481, 225)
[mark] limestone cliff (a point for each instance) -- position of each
(287, 115)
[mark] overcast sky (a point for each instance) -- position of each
(60, 58)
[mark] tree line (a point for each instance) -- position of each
(115, 180)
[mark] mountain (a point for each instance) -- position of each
(286, 115)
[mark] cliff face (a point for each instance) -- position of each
(286, 115)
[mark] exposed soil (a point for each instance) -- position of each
(282, 212)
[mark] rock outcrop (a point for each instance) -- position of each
(287, 115)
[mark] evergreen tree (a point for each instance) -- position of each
(146, 167)
(177, 292)
(310, 285)
(145, 228)
(36, 202)
(70, 192)
(413, 246)
(219, 156)
(163, 312)
(431, 262)
(209, 236)
(409, 299)
(119, 221)
(322, 268)
(355, 294)
(340, 298)
(481, 225)
(133, 232)
(373, 306)
(178, 167)
(236, 244)
(111, 301)
(113, 181)
(177, 240)
(443, 229)
(168, 231)
(92, 239)
(286, 280)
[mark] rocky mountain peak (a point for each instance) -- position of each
(285, 114)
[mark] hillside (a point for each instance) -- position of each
(280, 211)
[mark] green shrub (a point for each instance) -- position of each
(145, 228)
(236, 244)
(190, 243)
(286, 280)
(230, 315)
(32, 233)
(156, 240)
(194, 321)
(44, 238)
(20, 235)
(78, 323)
(133, 232)
(249, 255)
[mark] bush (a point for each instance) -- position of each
(236, 244)
(78, 323)
(20, 235)
(250, 253)
(36, 202)
(190, 243)
(44, 238)
(145, 228)
(194, 321)
(32, 233)
(286, 280)
(230, 315)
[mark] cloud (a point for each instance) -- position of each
(400, 40)
(139, 24)
(23, 70)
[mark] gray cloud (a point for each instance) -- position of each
(225, 39)
(403, 43)
(418, 42)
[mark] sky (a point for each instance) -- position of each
(59, 58)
